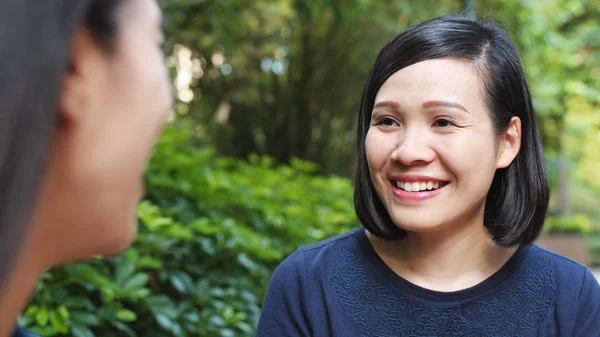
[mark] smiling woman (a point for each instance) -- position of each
(440, 127)
(452, 191)
(84, 93)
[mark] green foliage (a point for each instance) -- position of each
(212, 231)
(593, 243)
(573, 224)
(283, 78)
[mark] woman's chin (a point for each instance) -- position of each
(115, 240)
(417, 223)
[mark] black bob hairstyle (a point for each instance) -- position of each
(517, 201)
(36, 41)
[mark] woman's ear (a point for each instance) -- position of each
(509, 143)
(78, 82)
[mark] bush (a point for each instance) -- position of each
(593, 243)
(573, 224)
(212, 230)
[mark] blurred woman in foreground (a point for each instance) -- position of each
(452, 190)
(84, 93)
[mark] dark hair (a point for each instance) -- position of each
(517, 201)
(36, 41)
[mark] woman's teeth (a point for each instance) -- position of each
(417, 187)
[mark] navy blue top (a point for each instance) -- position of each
(340, 287)
(22, 333)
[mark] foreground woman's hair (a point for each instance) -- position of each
(36, 39)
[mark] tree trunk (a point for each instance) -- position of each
(469, 8)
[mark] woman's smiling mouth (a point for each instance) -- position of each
(411, 187)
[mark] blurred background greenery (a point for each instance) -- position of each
(259, 153)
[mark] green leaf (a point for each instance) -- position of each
(227, 333)
(137, 281)
(42, 316)
(182, 282)
(124, 270)
(85, 318)
(124, 328)
(126, 315)
(149, 262)
(63, 312)
(217, 320)
(164, 321)
(81, 331)
(58, 322)
(76, 302)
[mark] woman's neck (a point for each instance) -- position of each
(452, 260)
(35, 258)
(17, 291)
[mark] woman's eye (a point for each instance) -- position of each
(385, 121)
(443, 123)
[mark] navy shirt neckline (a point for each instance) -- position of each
(417, 291)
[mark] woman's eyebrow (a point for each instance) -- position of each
(447, 104)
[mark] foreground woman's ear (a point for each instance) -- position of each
(82, 77)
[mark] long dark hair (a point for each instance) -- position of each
(517, 201)
(36, 41)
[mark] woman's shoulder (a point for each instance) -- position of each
(321, 252)
(576, 289)
(569, 278)
(559, 265)
(349, 238)
(321, 255)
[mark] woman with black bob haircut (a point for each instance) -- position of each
(84, 93)
(452, 190)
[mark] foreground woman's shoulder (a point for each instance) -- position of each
(22, 333)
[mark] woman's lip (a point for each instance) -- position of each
(414, 178)
(416, 196)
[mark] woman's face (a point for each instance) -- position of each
(113, 107)
(431, 148)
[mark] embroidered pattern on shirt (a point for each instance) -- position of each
(516, 308)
